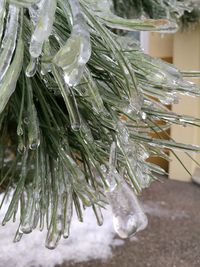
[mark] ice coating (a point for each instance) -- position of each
(43, 26)
(135, 156)
(73, 56)
(103, 10)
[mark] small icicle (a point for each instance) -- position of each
(34, 133)
(18, 235)
(32, 67)
(78, 207)
(73, 56)
(46, 66)
(9, 40)
(55, 229)
(43, 27)
(128, 217)
(53, 236)
(93, 93)
(33, 123)
(27, 222)
(68, 213)
(70, 101)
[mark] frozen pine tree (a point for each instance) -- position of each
(79, 101)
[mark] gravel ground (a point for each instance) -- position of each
(172, 238)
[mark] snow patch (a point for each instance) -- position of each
(87, 241)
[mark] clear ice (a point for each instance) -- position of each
(43, 27)
(73, 56)
(128, 216)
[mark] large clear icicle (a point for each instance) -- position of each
(9, 40)
(43, 26)
(128, 217)
(73, 56)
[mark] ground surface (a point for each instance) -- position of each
(172, 238)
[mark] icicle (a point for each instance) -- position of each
(27, 222)
(128, 217)
(9, 40)
(34, 133)
(73, 56)
(32, 67)
(68, 213)
(18, 235)
(46, 66)
(33, 123)
(93, 92)
(70, 101)
(78, 207)
(55, 229)
(18, 190)
(43, 27)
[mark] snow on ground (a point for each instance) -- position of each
(87, 241)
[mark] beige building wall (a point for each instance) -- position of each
(184, 48)
(186, 56)
(160, 45)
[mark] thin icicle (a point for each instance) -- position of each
(8, 84)
(68, 213)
